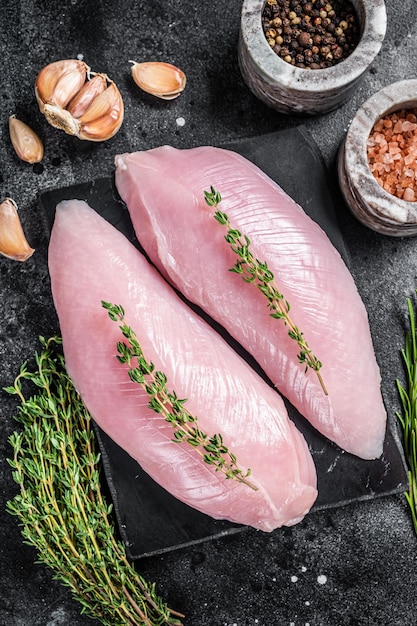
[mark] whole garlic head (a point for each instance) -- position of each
(78, 101)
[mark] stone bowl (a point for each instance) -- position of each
(366, 198)
(290, 89)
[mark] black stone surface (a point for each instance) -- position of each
(354, 565)
(150, 520)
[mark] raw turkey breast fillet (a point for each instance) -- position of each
(90, 261)
(164, 192)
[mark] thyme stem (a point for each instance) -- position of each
(254, 271)
(186, 428)
(408, 417)
(60, 506)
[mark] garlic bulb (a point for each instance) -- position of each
(162, 80)
(25, 141)
(13, 243)
(80, 102)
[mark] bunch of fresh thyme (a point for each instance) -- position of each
(408, 417)
(258, 273)
(61, 509)
(186, 428)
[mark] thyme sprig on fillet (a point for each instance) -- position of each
(258, 273)
(408, 416)
(186, 428)
(60, 505)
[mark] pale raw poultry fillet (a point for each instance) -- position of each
(164, 192)
(90, 261)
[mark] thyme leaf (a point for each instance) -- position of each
(408, 416)
(167, 403)
(257, 272)
(60, 506)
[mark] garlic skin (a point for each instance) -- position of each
(26, 143)
(159, 79)
(13, 243)
(79, 102)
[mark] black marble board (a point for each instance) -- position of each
(150, 520)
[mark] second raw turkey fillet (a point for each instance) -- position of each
(90, 261)
(164, 192)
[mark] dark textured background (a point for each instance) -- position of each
(367, 550)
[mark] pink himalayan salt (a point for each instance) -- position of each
(392, 153)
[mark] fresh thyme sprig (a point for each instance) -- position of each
(408, 417)
(257, 272)
(60, 506)
(186, 428)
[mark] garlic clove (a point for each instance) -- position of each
(25, 141)
(104, 116)
(160, 79)
(59, 82)
(13, 243)
(88, 92)
(67, 87)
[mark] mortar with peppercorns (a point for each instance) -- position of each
(308, 56)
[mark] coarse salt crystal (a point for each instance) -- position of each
(392, 153)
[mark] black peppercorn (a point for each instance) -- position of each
(338, 52)
(315, 35)
(304, 39)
